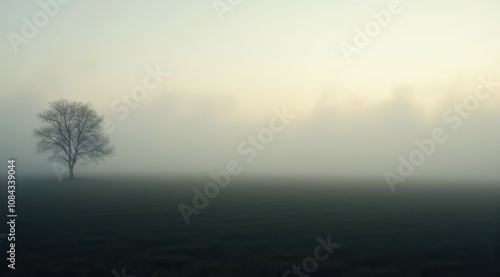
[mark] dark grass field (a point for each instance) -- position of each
(254, 227)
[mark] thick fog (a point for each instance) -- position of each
(233, 79)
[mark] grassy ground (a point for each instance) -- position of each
(255, 227)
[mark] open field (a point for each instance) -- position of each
(254, 227)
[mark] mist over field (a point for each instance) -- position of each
(251, 138)
(226, 77)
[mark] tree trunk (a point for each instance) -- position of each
(71, 173)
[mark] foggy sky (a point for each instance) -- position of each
(227, 77)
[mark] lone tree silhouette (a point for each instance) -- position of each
(72, 132)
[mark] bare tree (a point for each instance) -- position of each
(72, 133)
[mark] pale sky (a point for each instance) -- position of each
(227, 76)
